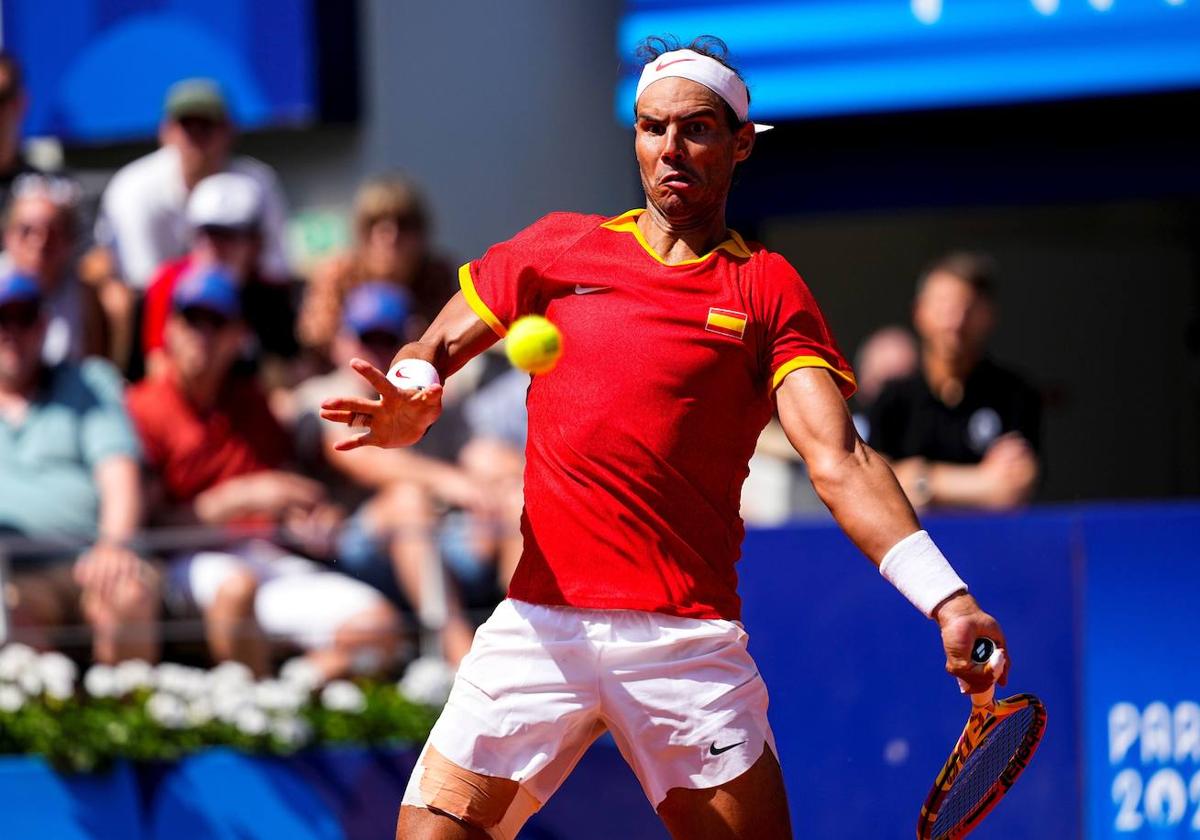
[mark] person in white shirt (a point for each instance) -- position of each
(142, 212)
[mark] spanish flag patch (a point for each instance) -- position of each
(726, 322)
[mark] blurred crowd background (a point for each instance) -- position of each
(178, 293)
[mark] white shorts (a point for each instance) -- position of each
(297, 600)
(681, 696)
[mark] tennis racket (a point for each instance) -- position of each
(997, 744)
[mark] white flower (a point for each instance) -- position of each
(427, 681)
(200, 711)
(228, 701)
(30, 681)
(180, 679)
(230, 673)
(251, 720)
(15, 658)
(58, 675)
(292, 732)
(343, 696)
(133, 674)
(100, 680)
(301, 672)
(278, 696)
(11, 698)
(167, 709)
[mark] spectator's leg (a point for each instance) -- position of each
(345, 625)
(230, 627)
(125, 622)
(405, 511)
(35, 608)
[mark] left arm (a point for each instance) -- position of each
(110, 560)
(864, 497)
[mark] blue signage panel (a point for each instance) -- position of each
(97, 70)
(824, 57)
(1141, 705)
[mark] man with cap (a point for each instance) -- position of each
(390, 539)
(142, 211)
(226, 216)
(681, 340)
(69, 478)
(219, 457)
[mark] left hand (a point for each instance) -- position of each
(103, 567)
(962, 622)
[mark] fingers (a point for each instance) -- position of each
(357, 404)
(373, 375)
(353, 443)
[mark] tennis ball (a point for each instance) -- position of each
(533, 344)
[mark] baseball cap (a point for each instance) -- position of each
(226, 200)
(195, 98)
(19, 288)
(210, 287)
(377, 306)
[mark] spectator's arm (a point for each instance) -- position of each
(1005, 478)
(271, 493)
(378, 469)
(118, 480)
(317, 322)
(853, 481)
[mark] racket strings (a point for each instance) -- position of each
(982, 768)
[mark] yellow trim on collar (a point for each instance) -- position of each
(467, 284)
(627, 223)
(811, 361)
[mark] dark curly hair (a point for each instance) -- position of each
(651, 47)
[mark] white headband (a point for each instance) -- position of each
(689, 64)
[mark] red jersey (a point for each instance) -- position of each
(640, 437)
(192, 450)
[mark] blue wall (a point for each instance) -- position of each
(1100, 607)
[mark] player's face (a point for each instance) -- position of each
(952, 319)
(686, 150)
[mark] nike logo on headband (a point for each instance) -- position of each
(663, 64)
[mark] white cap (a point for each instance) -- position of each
(227, 200)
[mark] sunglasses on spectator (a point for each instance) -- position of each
(227, 234)
(200, 318)
(404, 222)
(23, 230)
(19, 316)
(198, 125)
(383, 339)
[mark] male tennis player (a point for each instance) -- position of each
(681, 339)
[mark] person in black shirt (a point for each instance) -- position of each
(961, 431)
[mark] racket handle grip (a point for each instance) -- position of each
(985, 652)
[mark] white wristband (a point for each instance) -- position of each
(918, 569)
(413, 373)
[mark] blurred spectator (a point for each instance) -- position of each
(886, 354)
(391, 232)
(12, 113)
(142, 216)
(69, 474)
(39, 241)
(961, 431)
(390, 541)
(218, 454)
(225, 213)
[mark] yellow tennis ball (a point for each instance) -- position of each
(533, 344)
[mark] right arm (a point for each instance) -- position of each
(400, 417)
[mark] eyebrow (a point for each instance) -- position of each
(702, 112)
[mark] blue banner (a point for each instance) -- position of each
(823, 57)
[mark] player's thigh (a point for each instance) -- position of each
(754, 805)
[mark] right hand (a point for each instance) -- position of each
(396, 418)
(1011, 465)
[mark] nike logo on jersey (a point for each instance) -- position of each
(713, 749)
(587, 290)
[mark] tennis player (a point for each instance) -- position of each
(681, 340)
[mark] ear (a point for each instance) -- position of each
(743, 142)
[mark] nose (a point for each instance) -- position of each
(673, 144)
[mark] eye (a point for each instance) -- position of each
(653, 128)
(697, 128)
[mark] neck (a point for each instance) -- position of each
(945, 374)
(679, 238)
(21, 390)
(10, 146)
(203, 389)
